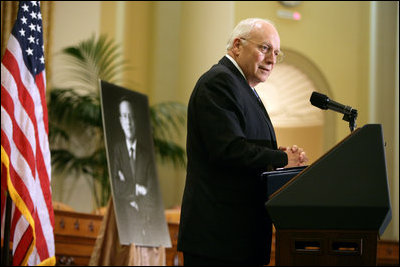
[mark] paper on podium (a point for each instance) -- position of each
(276, 179)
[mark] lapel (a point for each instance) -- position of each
(227, 63)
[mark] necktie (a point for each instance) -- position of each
(255, 92)
(132, 160)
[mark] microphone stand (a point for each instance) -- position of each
(351, 118)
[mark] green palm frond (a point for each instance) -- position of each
(167, 119)
(71, 108)
(64, 159)
(57, 134)
(92, 60)
(170, 151)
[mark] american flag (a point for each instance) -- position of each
(25, 153)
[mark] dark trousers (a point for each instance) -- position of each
(199, 260)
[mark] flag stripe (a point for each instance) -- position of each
(23, 247)
(19, 179)
(41, 245)
(3, 196)
(17, 71)
(11, 64)
(19, 224)
(25, 150)
(22, 224)
(39, 80)
(34, 105)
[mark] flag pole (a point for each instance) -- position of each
(6, 241)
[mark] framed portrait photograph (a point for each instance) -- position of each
(132, 168)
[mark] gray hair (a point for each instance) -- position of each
(243, 29)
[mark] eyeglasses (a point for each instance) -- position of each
(266, 49)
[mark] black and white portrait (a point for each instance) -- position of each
(131, 161)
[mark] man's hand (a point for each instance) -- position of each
(121, 176)
(141, 190)
(296, 156)
(134, 205)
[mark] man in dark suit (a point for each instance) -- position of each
(230, 142)
(133, 182)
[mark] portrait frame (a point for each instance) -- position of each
(134, 183)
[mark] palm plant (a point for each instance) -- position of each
(76, 131)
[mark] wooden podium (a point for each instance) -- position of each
(333, 211)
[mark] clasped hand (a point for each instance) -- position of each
(296, 156)
(141, 190)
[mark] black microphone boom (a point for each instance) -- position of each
(323, 102)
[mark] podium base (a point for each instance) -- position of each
(326, 247)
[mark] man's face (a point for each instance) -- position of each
(126, 119)
(258, 65)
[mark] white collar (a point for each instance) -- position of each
(236, 64)
(130, 145)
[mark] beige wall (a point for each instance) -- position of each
(170, 44)
(73, 22)
(309, 138)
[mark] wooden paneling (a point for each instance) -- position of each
(388, 253)
(174, 257)
(75, 235)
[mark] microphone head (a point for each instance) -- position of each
(319, 100)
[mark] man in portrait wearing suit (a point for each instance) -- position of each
(230, 142)
(134, 230)
(132, 185)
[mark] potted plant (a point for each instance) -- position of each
(75, 123)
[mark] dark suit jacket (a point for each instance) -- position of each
(230, 142)
(143, 227)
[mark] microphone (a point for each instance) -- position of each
(323, 102)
